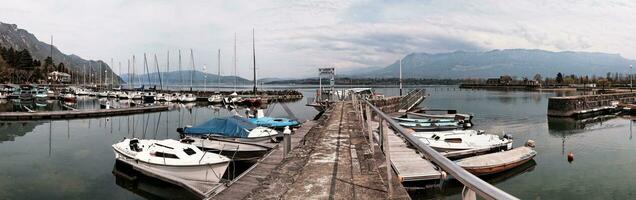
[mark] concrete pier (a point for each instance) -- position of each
(335, 162)
(587, 105)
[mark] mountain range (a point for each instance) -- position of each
(514, 62)
(183, 78)
(12, 36)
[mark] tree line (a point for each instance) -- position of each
(19, 66)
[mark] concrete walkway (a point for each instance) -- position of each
(334, 163)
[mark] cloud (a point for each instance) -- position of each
(294, 38)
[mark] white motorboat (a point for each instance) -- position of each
(233, 98)
(173, 97)
(161, 97)
(135, 95)
(457, 140)
(123, 95)
(171, 157)
(187, 98)
(113, 94)
(216, 98)
(102, 94)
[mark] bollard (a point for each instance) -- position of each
(287, 140)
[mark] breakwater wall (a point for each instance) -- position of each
(572, 106)
(499, 86)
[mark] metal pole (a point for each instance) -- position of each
(631, 77)
(254, 57)
(400, 77)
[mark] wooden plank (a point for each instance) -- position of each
(407, 163)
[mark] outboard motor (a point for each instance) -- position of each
(506, 136)
(180, 131)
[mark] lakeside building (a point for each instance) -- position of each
(60, 77)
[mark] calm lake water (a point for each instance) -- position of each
(73, 159)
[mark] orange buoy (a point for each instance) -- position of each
(570, 157)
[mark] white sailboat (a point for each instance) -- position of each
(189, 97)
(173, 158)
(217, 97)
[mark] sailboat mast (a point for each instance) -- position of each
(147, 70)
(129, 75)
(180, 73)
(235, 78)
(168, 63)
(112, 64)
(218, 71)
(119, 75)
(158, 72)
(192, 72)
(254, 57)
(133, 71)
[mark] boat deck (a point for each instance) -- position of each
(73, 114)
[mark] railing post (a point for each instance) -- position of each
(287, 141)
(381, 134)
(387, 156)
(369, 129)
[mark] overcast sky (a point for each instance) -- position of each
(294, 38)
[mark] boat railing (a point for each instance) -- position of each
(472, 184)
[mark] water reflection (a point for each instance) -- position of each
(566, 125)
(73, 159)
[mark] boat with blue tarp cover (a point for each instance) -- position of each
(230, 127)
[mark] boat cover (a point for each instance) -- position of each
(274, 122)
(233, 126)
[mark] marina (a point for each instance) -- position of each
(267, 174)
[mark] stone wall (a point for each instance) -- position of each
(568, 106)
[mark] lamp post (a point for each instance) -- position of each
(630, 78)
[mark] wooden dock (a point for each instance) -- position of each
(73, 114)
(332, 159)
(407, 163)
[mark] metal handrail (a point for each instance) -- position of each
(481, 187)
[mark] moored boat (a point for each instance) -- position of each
(187, 98)
(171, 157)
(431, 126)
(215, 98)
(458, 140)
(233, 149)
(234, 127)
(498, 162)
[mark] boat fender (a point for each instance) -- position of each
(570, 157)
(530, 143)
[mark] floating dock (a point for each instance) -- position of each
(73, 114)
(407, 163)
